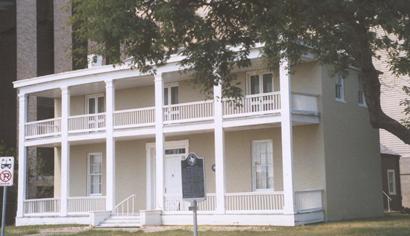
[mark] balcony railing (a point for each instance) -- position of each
(134, 117)
(41, 206)
(84, 205)
(309, 200)
(43, 128)
(175, 203)
(192, 111)
(254, 201)
(86, 123)
(252, 104)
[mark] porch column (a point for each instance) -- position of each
(22, 155)
(219, 150)
(159, 142)
(110, 145)
(287, 139)
(65, 150)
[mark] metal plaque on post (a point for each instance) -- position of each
(193, 183)
(193, 178)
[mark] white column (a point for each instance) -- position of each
(65, 150)
(287, 139)
(159, 142)
(110, 145)
(219, 151)
(22, 158)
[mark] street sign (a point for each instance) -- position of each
(6, 179)
(6, 171)
(193, 178)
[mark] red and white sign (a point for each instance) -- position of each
(6, 171)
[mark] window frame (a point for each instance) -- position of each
(89, 182)
(394, 190)
(96, 97)
(169, 87)
(342, 89)
(254, 188)
(360, 94)
(260, 75)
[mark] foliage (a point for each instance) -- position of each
(406, 104)
(339, 32)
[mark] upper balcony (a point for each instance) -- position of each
(250, 108)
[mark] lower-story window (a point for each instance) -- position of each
(262, 165)
(391, 181)
(94, 173)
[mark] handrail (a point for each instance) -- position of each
(133, 109)
(41, 121)
(124, 208)
(189, 103)
(87, 115)
(389, 199)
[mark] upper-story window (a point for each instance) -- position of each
(258, 83)
(361, 100)
(340, 89)
(95, 103)
(171, 94)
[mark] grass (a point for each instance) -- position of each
(394, 224)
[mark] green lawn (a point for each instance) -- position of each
(393, 224)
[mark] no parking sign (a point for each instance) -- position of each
(6, 171)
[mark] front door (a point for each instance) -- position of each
(173, 188)
(95, 104)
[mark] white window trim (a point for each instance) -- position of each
(260, 75)
(253, 177)
(394, 192)
(96, 96)
(364, 103)
(168, 86)
(88, 174)
(342, 92)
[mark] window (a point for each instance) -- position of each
(391, 181)
(95, 103)
(94, 172)
(171, 94)
(262, 165)
(340, 89)
(262, 83)
(361, 100)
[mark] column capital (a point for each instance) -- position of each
(109, 83)
(64, 89)
(21, 95)
(158, 77)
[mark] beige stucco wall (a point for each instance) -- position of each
(136, 97)
(57, 171)
(78, 167)
(353, 181)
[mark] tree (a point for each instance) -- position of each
(338, 32)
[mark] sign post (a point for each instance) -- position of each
(193, 184)
(6, 179)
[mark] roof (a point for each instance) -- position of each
(387, 151)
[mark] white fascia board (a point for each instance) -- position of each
(100, 73)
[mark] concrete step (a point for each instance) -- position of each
(121, 222)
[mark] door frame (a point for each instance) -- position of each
(150, 199)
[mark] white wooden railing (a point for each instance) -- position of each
(388, 199)
(251, 104)
(305, 103)
(41, 206)
(43, 128)
(309, 200)
(126, 207)
(176, 203)
(192, 111)
(84, 205)
(134, 117)
(254, 201)
(86, 123)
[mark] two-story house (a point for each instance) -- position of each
(297, 149)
